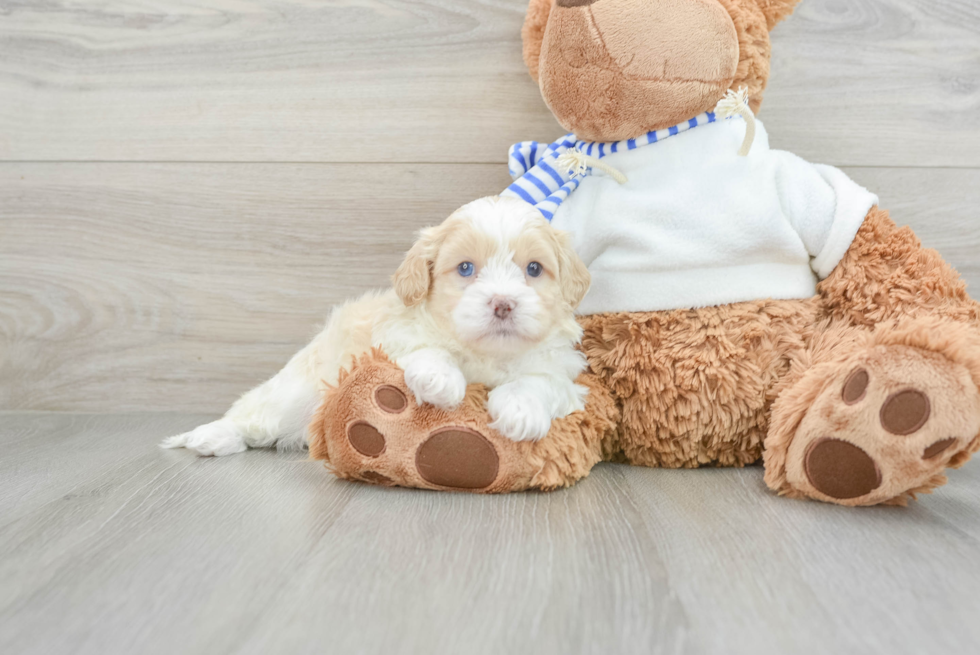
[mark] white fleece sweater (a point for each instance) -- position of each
(696, 225)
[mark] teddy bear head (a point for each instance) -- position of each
(615, 69)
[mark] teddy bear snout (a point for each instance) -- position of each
(616, 69)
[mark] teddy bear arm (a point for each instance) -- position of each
(887, 275)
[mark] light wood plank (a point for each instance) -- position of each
(90, 446)
(877, 83)
(810, 577)
(261, 80)
(129, 287)
(161, 552)
(113, 546)
(866, 82)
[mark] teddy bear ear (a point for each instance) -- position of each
(533, 33)
(776, 10)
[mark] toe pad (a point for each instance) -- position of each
(390, 399)
(840, 469)
(366, 439)
(904, 412)
(457, 457)
(855, 386)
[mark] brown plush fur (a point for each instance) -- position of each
(723, 385)
(887, 273)
(754, 49)
(696, 385)
(776, 10)
(605, 79)
(532, 33)
(639, 107)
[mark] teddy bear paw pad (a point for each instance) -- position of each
(390, 399)
(366, 439)
(936, 449)
(888, 424)
(840, 469)
(904, 412)
(458, 458)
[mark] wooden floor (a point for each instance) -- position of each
(111, 546)
(185, 188)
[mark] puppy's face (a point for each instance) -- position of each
(495, 274)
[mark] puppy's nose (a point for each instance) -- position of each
(502, 307)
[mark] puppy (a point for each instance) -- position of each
(487, 296)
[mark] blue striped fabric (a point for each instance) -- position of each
(539, 180)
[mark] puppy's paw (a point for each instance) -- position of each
(518, 414)
(436, 383)
(216, 439)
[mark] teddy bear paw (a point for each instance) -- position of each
(884, 427)
(393, 435)
(371, 428)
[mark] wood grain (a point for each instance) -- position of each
(863, 82)
(112, 546)
(131, 287)
(877, 83)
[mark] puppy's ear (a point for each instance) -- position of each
(574, 278)
(414, 277)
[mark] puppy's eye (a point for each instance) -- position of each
(465, 269)
(534, 269)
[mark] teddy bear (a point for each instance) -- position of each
(746, 305)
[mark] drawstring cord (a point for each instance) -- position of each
(736, 103)
(577, 162)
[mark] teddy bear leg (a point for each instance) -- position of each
(880, 417)
(886, 276)
(889, 398)
(369, 428)
(695, 385)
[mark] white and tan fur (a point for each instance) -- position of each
(444, 331)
